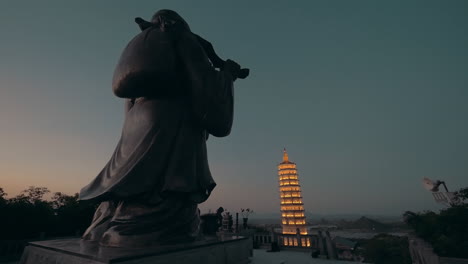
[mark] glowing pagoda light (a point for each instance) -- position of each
(292, 208)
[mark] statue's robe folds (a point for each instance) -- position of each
(159, 167)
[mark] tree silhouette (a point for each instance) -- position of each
(35, 194)
(446, 231)
(28, 215)
(461, 196)
(385, 249)
(3, 194)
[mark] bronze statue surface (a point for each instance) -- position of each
(158, 173)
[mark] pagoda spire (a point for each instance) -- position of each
(285, 155)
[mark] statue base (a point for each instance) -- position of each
(228, 250)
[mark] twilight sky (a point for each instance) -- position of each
(368, 97)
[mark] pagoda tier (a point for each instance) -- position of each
(292, 208)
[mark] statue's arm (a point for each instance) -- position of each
(205, 80)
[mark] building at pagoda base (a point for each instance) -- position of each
(293, 222)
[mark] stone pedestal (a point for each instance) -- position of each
(229, 250)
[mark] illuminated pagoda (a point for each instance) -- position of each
(294, 229)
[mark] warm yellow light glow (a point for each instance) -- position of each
(287, 177)
(291, 201)
(285, 156)
(287, 215)
(286, 166)
(289, 195)
(291, 172)
(286, 182)
(291, 208)
(293, 217)
(290, 188)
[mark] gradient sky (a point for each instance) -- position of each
(368, 97)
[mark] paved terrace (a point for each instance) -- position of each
(290, 257)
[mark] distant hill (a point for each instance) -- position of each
(265, 221)
(364, 223)
(315, 218)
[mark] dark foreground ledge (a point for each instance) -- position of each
(231, 250)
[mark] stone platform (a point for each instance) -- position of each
(227, 250)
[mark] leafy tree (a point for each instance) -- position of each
(27, 215)
(447, 231)
(61, 200)
(3, 194)
(35, 194)
(72, 215)
(385, 249)
(461, 196)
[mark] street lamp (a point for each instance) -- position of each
(445, 198)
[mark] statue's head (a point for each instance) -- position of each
(166, 18)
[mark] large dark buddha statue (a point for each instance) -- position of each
(158, 174)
